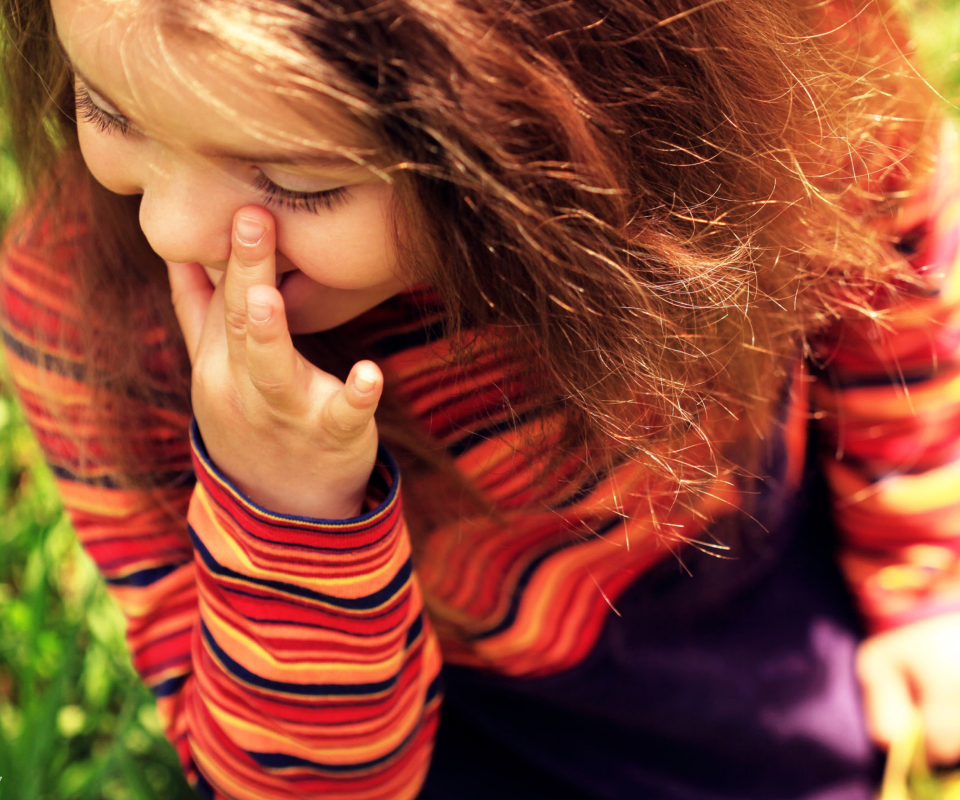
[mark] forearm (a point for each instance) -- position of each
(313, 651)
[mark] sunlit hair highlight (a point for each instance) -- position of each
(660, 202)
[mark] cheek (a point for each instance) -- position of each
(351, 247)
(108, 160)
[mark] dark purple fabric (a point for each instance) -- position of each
(734, 682)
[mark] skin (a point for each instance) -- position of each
(291, 437)
(914, 672)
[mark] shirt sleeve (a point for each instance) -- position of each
(887, 400)
(290, 657)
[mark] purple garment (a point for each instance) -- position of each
(734, 682)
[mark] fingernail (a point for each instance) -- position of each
(363, 384)
(259, 312)
(250, 231)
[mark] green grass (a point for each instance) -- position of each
(936, 30)
(75, 722)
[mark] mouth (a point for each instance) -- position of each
(282, 277)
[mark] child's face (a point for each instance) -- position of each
(196, 166)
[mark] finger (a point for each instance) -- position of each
(273, 364)
(252, 262)
(350, 410)
(940, 712)
(190, 290)
(888, 699)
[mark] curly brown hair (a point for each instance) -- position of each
(660, 201)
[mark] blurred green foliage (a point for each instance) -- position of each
(75, 721)
(936, 30)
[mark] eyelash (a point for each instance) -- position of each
(90, 112)
(274, 195)
(312, 202)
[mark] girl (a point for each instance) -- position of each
(525, 345)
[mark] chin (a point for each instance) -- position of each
(326, 316)
(302, 328)
(322, 309)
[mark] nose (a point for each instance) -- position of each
(186, 212)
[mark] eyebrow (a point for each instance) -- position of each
(306, 158)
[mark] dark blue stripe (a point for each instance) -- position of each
(72, 369)
(518, 590)
(332, 613)
(304, 689)
(841, 382)
(416, 628)
(166, 480)
(407, 340)
(144, 577)
(203, 789)
(281, 760)
(366, 603)
(178, 555)
(475, 437)
(375, 479)
(434, 689)
(383, 458)
(582, 493)
(168, 687)
(45, 361)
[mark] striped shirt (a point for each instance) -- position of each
(295, 657)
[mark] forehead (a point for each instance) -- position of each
(186, 85)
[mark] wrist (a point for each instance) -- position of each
(309, 503)
(314, 497)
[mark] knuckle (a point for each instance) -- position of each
(251, 256)
(336, 422)
(236, 322)
(344, 426)
(341, 429)
(268, 387)
(247, 259)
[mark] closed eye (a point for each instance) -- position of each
(104, 121)
(274, 195)
(313, 202)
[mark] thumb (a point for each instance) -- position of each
(349, 411)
